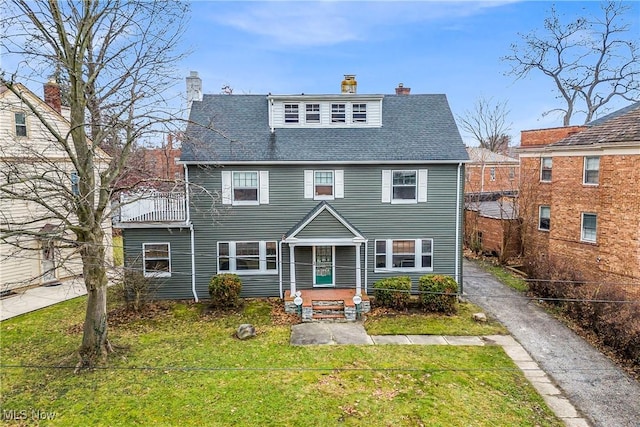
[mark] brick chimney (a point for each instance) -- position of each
(52, 94)
(401, 90)
(536, 137)
(194, 89)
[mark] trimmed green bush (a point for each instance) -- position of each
(393, 292)
(438, 293)
(225, 290)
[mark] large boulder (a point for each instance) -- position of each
(245, 331)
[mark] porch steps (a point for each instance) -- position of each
(328, 310)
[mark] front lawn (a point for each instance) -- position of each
(390, 322)
(177, 366)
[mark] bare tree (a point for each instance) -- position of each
(487, 124)
(591, 60)
(116, 57)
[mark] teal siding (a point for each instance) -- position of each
(178, 286)
(361, 207)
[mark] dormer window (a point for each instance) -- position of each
(359, 112)
(313, 113)
(317, 111)
(291, 113)
(338, 113)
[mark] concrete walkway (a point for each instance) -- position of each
(354, 333)
(39, 297)
(601, 391)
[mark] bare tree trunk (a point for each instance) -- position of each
(95, 344)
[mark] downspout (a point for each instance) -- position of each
(191, 232)
(458, 217)
(280, 268)
(366, 262)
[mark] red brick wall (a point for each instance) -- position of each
(615, 257)
(475, 181)
(496, 234)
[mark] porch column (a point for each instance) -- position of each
(292, 268)
(358, 271)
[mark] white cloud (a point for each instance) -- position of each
(309, 23)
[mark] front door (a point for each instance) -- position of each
(323, 266)
(48, 263)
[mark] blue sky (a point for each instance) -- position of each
(451, 47)
(431, 47)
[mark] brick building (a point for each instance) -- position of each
(491, 219)
(489, 172)
(580, 197)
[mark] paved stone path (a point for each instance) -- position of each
(354, 333)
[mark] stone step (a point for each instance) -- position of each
(318, 303)
(328, 307)
(328, 316)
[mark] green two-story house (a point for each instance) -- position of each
(308, 195)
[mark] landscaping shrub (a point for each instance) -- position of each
(135, 290)
(616, 324)
(393, 292)
(438, 293)
(224, 290)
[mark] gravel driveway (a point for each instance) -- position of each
(602, 392)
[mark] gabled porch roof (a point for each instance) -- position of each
(303, 233)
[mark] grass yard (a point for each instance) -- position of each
(177, 366)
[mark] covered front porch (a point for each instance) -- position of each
(327, 304)
(326, 268)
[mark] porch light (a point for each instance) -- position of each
(298, 302)
(357, 299)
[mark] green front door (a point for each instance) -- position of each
(323, 266)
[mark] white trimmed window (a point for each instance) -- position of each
(589, 227)
(512, 174)
(21, 123)
(404, 186)
(156, 259)
(492, 174)
(545, 169)
(404, 255)
(359, 113)
(291, 113)
(544, 222)
(591, 173)
(259, 257)
(338, 113)
(312, 113)
(245, 187)
(324, 184)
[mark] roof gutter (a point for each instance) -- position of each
(323, 162)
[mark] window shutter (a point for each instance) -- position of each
(226, 187)
(338, 176)
(422, 185)
(263, 196)
(308, 184)
(386, 186)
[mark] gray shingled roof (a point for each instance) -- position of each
(622, 126)
(235, 128)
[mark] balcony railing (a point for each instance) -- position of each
(152, 207)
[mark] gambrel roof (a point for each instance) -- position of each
(235, 128)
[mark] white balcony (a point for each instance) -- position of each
(151, 207)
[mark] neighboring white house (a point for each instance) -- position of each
(34, 165)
